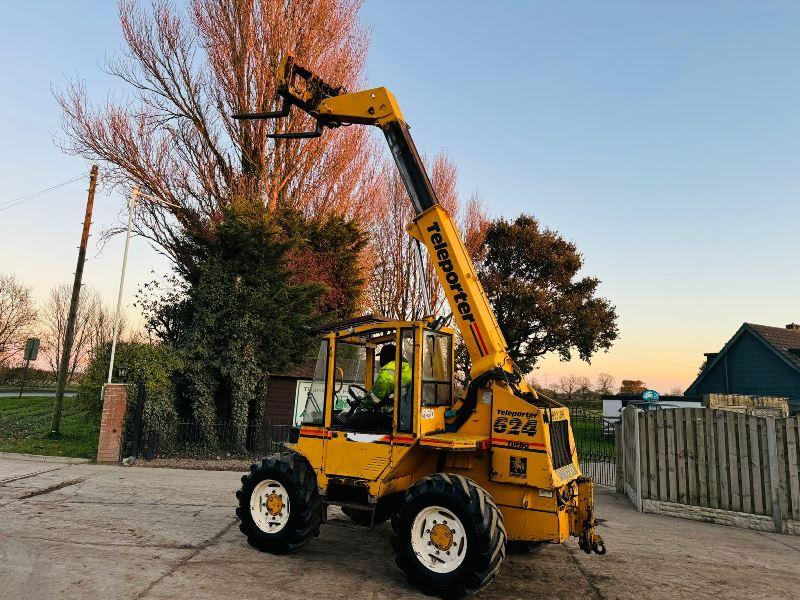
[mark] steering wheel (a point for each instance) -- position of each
(357, 395)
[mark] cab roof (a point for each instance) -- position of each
(369, 319)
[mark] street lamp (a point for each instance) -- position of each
(122, 372)
(131, 208)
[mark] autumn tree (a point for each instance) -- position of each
(530, 275)
(17, 316)
(400, 284)
(187, 72)
(330, 251)
(632, 386)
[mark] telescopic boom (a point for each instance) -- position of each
(332, 107)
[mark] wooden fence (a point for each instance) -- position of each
(713, 465)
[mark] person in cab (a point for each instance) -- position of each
(383, 386)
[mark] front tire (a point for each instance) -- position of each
(279, 506)
(448, 537)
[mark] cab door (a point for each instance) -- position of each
(350, 452)
(354, 454)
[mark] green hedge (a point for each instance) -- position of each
(159, 366)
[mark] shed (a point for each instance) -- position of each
(282, 393)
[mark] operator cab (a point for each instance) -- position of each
(373, 375)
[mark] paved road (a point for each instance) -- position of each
(88, 531)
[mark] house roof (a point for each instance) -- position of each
(784, 342)
(781, 339)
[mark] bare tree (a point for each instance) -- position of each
(605, 383)
(675, 390)
(188, 72)
(474, 225)
(17, 316)
(569, 385)
(399, 284)
(93, 327)
(101, 327)
(584, 391)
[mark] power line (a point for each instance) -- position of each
(651, 359)
(6, 204)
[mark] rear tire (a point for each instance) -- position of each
(449, 537)
(279, 507)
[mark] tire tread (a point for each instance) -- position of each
(487, 546)
(294, 472)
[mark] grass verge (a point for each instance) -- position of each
(25, 427)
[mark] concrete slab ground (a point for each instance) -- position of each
(91, 531)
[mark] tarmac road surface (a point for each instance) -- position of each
(90, 531)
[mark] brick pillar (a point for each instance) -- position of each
(114, 404)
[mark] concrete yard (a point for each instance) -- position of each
(89, 531)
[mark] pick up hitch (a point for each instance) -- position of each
(588, 540)
(591, 542)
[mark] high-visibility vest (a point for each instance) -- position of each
(384, 382)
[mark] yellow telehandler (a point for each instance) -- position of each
(460, 479)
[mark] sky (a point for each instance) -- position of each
(662, 138)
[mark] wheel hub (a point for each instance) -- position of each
(269, 506)
(441, 536)
(274, 504)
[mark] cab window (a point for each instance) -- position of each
(350, 368)
(437, 364)
(314, 411)
(405, 415)
(363, 389)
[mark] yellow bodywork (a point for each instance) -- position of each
(504, 446)
(517, 446)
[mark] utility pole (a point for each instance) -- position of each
(63, 369)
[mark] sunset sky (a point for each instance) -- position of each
(664, 140)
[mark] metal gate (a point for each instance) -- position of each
(595, 441)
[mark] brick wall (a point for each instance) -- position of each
(111, 423)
